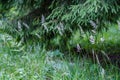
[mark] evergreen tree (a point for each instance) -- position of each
(46, 19)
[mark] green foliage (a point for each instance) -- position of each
(9, 45)
(107, 41)
(35, 62)
(57, 23)
(67, 26)
(73, 13)
(82, 13)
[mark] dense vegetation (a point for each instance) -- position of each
(46, 32)
(53, 22)
(35, 63)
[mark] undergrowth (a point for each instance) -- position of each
(35, 63)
